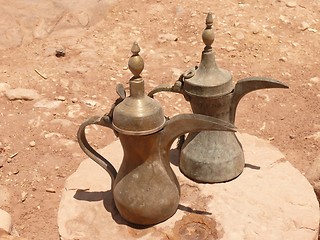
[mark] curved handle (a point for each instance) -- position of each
(93, 154)
(166, 88)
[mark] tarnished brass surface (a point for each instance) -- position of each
(145, 190)
(209, 156)
(137, 114)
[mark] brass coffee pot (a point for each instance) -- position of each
(145, 190)
(213, 156)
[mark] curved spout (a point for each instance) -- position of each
(247, 85)
(185, 123)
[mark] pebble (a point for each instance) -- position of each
(304, 26)
(61, 122)
(291, 3)
(45, 103)
(90, 102)
(21, 94)
(4, 87)
(2, 160)
(283, 59)
(315, 79)
(60, 98)
(41, 30)
(60, 53)
(74, 100)
(50, 190)
(167, 37)
(254, 28)
(5, 221)
(230, 48)
(83, 19)
(239, 35)
(32, 143)
(52, 134)
(24, 196)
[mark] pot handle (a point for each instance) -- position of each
(166, 88)
(104, 121)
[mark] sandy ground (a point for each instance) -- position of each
(38, 148)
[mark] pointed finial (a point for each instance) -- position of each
(208, 34)
(135, 63)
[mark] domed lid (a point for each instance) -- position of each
(137, 114)
(208, 80)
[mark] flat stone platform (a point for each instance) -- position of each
(270, 200)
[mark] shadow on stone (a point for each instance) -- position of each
(248, 165)
(190, 210)
(109, 205)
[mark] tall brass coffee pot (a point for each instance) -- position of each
(213, 156)
(145, 190)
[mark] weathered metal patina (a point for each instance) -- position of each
(213, 156)
(145, 189)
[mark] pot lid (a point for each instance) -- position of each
(208, 80)
(137, 114)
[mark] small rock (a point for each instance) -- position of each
(187, 59)
(24, 196)
(315, 136)
(113, 79)
(83, 19)
(284, 19)
(239, 35)
(90, 102)
(50, 190)
(53, 134)
(291, 136)
(32, 143)
(291, 3)
(304, 26)
(45, 103)
(21, 94)
(2, 160)
(4, 87)
(74, 100)
(283, 59)
(167, 37)
(9, 160)
(315, 79)
(66, 142)
(60, 98)
(60, 53)
(230, 48)
(41, 30)
(254, 28)
(5, 221)
(16, 171)
(61, 122)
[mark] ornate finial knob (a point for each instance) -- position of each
(208, 34)
(135, 63)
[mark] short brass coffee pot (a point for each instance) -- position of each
(213, 156)
(145, 189)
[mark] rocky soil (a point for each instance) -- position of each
(61, 60)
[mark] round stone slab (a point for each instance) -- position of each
(270, 200)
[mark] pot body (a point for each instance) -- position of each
(145, 191)
(212, 156)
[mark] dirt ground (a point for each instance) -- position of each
(38, 147)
